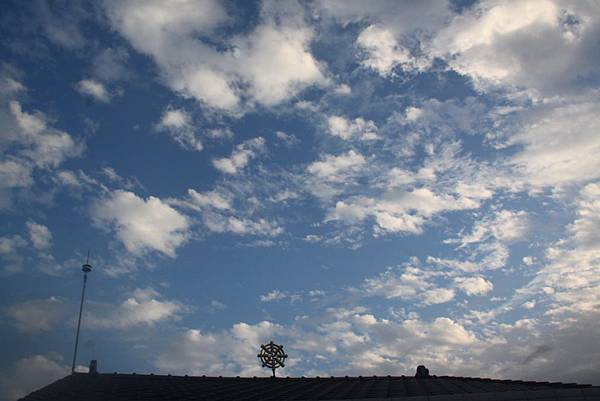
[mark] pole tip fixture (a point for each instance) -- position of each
(86, 266)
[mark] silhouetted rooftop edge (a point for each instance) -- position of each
(121, 387)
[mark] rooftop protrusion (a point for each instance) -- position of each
(93, 367)
(422, 371)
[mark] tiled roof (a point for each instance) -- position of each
(117, 387)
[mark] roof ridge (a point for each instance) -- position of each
(325, 377)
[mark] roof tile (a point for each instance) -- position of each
(129, 387)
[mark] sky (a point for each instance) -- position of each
(374, 185)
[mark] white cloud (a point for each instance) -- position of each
(94, 89)
(342, 89)
(568, 280)
(341, 127)
(274, 295)
(382, 52)
(216, 305)
(141, 224)
(354, 341)
(392, 197)
(413, 113)
(141, 307)
(15, 173)
(336, 168)
(442, 329)
(473, 285)
(485, 256)
(47, 147)
(29, 374)
(516, 45)
(559, 145)
(344, 341)
(167, 34)
(220, 133)
(408, 282)
(9, 85)
(37, 315)
(584, 229)
(277, 295)
(40, 235)
(486, 246)
(528, 260)
(10, 253)
(399, 177)
(193, 352)
(10, 244)
(275, 59)
(529, 305)
(269, 65)
(351, 213)
(503, 225)
(287, 139)
(212, 199)
(61, 26)
(221, 213)
(241, 225)
(436, 296)
(400, 211)
(111, 64)
(426, 14)
(241, 156)
(28, 142)
(178, 124)
(454, 264)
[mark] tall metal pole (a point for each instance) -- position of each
(86, 268)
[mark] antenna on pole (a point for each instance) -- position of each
(86, 268)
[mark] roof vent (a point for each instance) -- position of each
(422, 371)
(93, 367)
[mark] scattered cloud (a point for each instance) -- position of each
(269, 65)
(341, 127)
(144, 306)
(40, 235)
(93, 89)
(220, 133)
(568, 278)
(141, 224)
(240, 157)
(498, 44)
(10, 254)
(216, 305)
(471, 130)
(399, 211)
(474, 285)
(212, 199)
(287, 139)
(274, 295)
(44, 147)
(342, 89)
(503, 225)
(336, 168)
(37, 315)
(382, 52)
(277, 295)
(31, 373)
(178, 124)
(193, 350)
(111, 64)
(559, 145)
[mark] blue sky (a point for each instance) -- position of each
(375, 186)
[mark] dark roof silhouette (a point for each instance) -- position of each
(117, 387)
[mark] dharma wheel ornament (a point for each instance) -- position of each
(272, 356)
